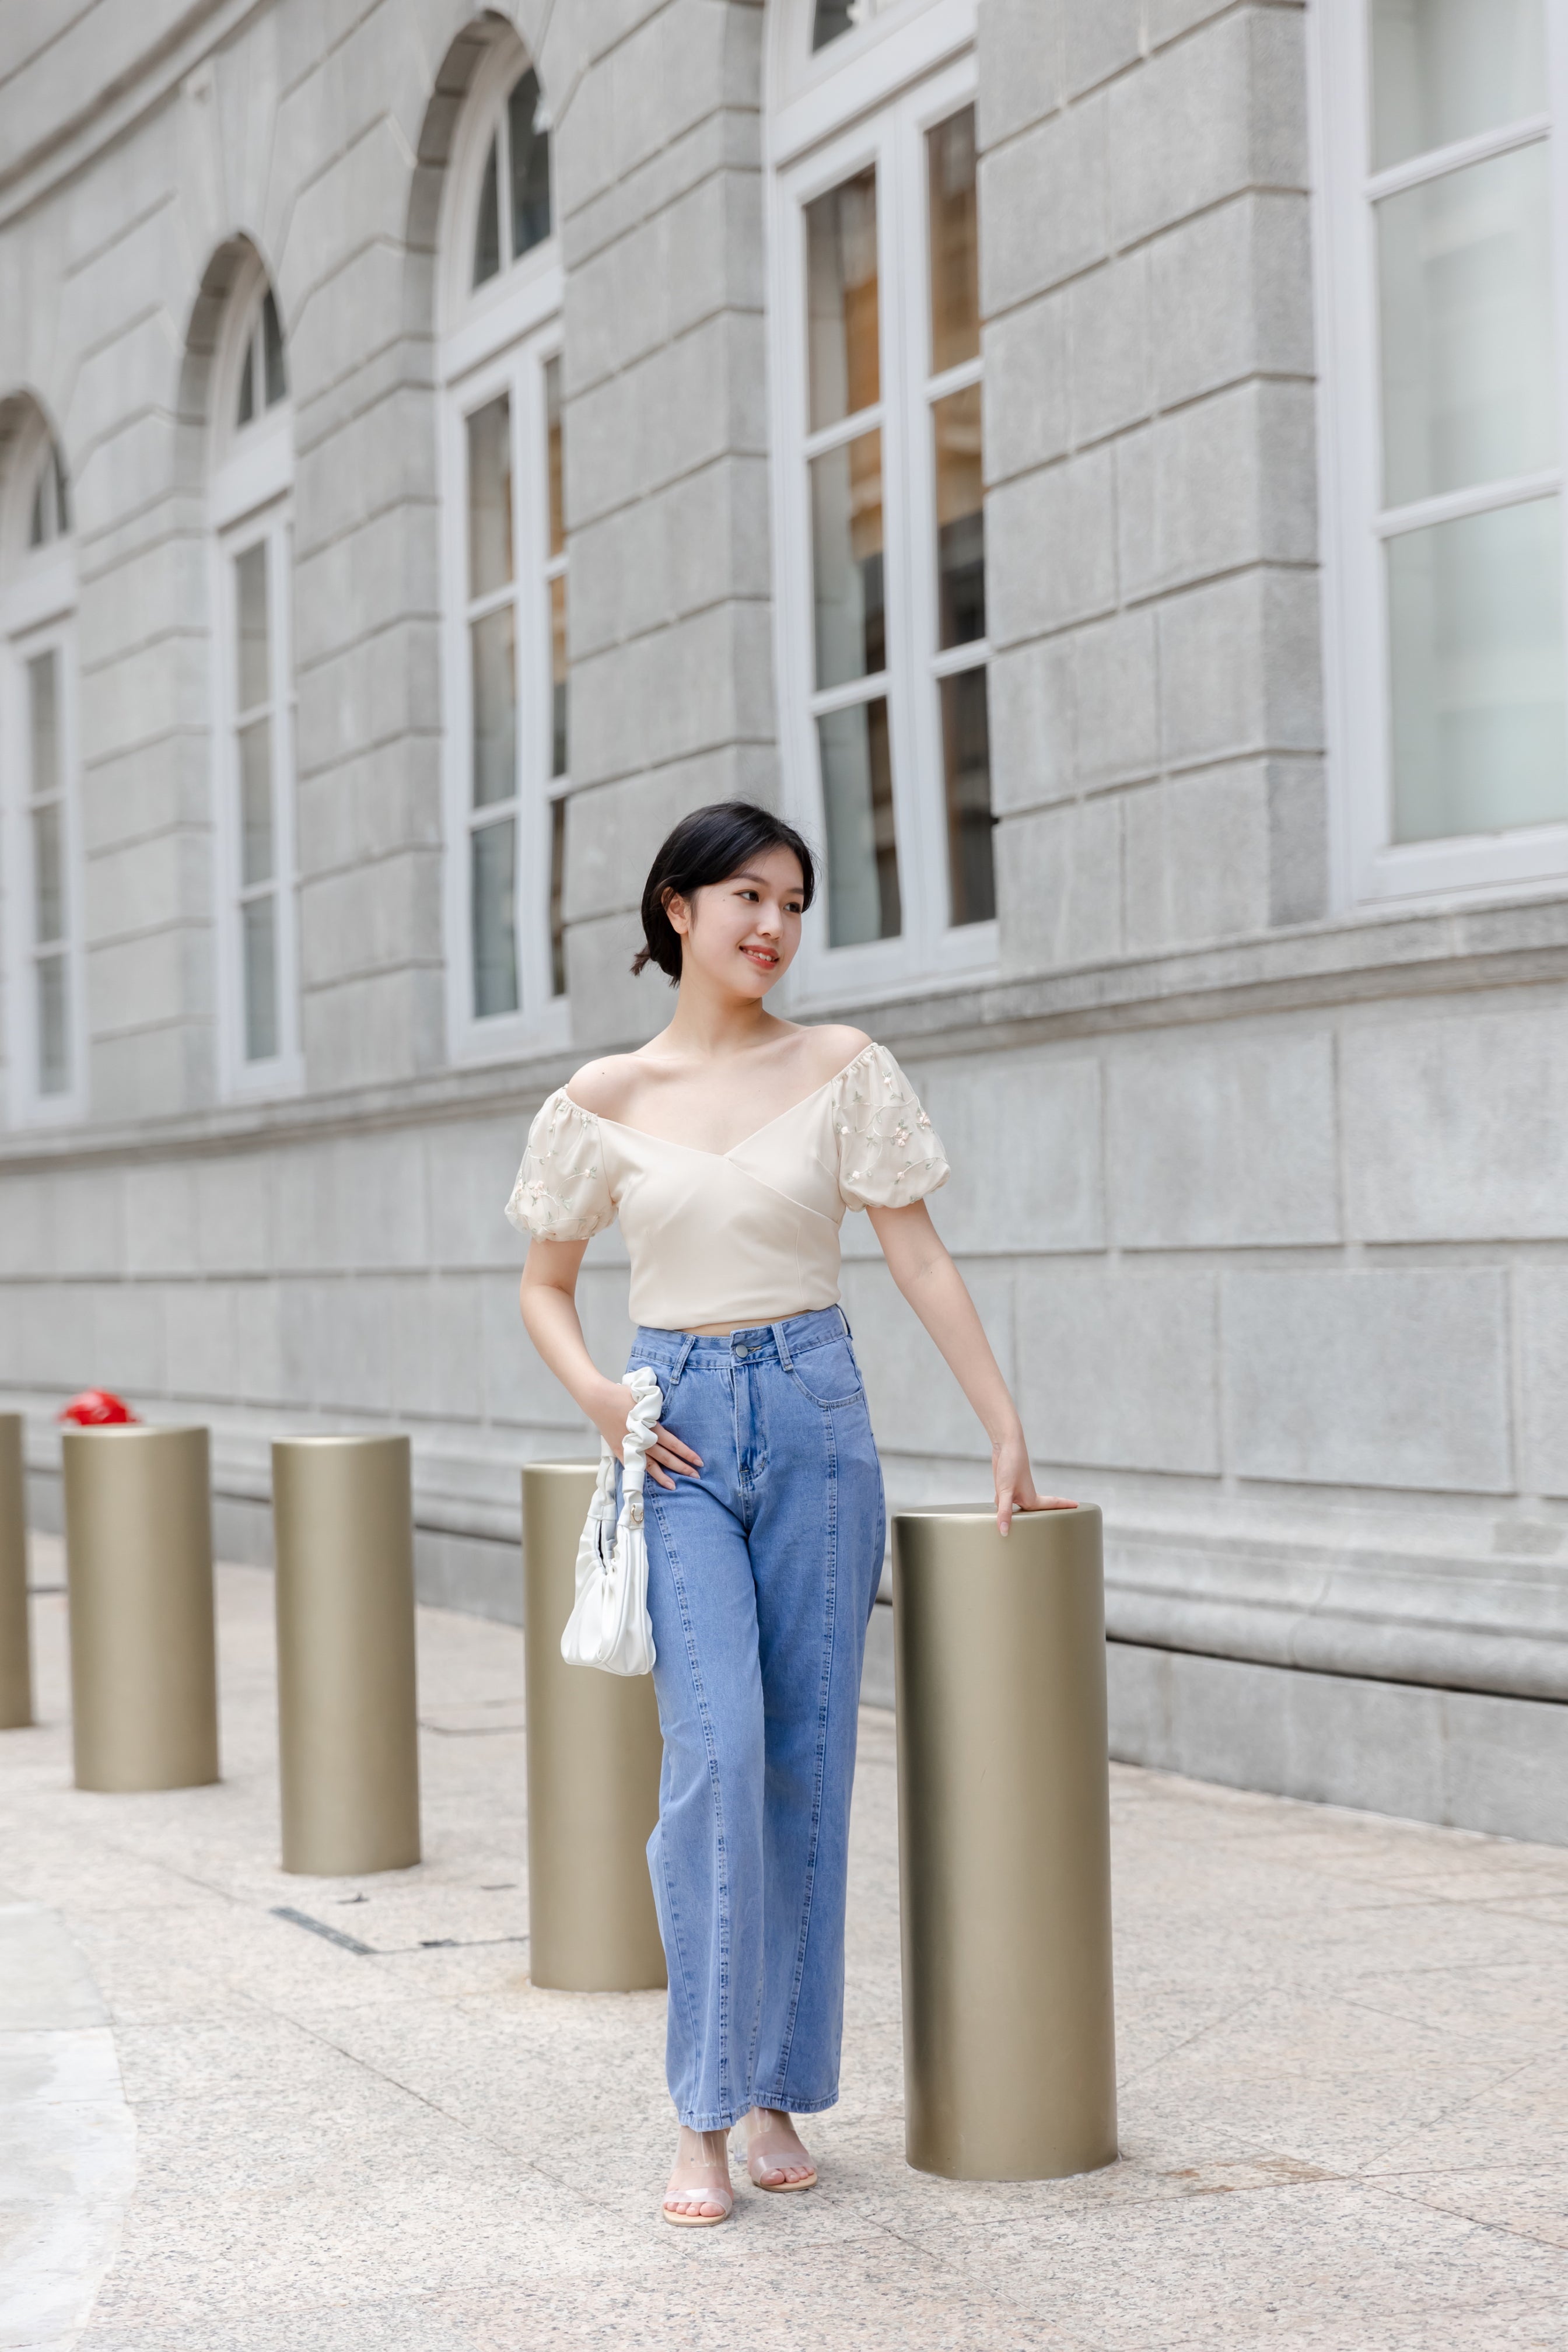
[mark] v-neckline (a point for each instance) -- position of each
(647, 1135)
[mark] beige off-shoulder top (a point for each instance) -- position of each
(747, 1236)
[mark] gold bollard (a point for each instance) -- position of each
(15, 1656)
(594, 1756)
(138, 1570)
(348, 1732)
(1004, 1843)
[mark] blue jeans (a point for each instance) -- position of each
(762, 1575)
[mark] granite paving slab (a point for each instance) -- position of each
(246, 2111)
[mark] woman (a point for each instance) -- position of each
(730, 1146)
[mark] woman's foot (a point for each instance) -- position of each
(775, 2157)
(699, 2196)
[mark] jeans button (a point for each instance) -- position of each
(742, 1351)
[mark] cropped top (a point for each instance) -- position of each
(747, 1236)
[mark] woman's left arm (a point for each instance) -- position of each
(935, 1287)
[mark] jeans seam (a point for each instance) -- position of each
(679, 1581)
(825, 1691)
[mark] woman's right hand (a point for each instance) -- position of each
(664, 1455)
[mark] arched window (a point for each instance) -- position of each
(505, 568)
(879, 483)
(40, 919)
(252, 524)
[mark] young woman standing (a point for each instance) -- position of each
(730, 1146)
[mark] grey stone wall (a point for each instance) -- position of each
(1262, 1202)
(1146, 283)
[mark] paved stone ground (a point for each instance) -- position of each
(1344, 2042)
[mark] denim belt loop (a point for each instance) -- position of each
(688, 1342)
(782, 1346)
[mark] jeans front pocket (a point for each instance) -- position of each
(829, 1375)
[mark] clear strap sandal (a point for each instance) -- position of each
(706, 2181)
(765, 2152)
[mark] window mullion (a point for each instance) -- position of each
(910, 634)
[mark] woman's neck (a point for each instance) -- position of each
(710, 1026)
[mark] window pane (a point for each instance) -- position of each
(276, 381)
(487, 227)
(259, 920)
(44, 724)
(1442, 70)
(558, 745)
(1468, 378)
(51, 507)
(846, 561)
(254, 670)
(495, 707)
(954, 249)
(54, 1041)
(246, 409)
(1475, 617)
(557, 894)
(836, 16)
(256, 856)
(557, 456)
(967, 759)
(960, 517)
(494, 888)
(858, 803)
(49, 874)
(490, 497)
(841, 300)
(529, 139)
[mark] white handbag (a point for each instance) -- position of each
(609, 1626)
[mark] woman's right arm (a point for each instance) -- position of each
(548, 1300)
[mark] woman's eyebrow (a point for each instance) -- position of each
(747, 875)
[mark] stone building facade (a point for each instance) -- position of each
(436, 448)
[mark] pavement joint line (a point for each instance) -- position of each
(387, 1951)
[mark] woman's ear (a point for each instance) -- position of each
(680, 914)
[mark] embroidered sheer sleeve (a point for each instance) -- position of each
(889, 1152)
(562, 1193)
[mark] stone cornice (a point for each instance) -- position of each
(1313, 966)
(110, 110)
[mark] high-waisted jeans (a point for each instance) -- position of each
(761, 1574)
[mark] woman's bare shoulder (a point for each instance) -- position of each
(606, 1086)
(833, 1045)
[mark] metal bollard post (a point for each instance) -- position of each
(593, 1756)
(1004, 1843)
(138, 1570)
(348, 1732)
(16, 1655)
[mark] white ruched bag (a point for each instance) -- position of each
(609, 1626)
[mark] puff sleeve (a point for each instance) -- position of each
(889, 1152)
(562, 1193)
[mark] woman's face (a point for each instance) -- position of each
(741, 933)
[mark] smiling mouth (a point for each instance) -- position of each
(759, 955)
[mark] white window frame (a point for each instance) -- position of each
(869, 97)
(251, 501)
(499, 337)
(1370, 871)
(37, 615)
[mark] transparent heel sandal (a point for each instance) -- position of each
(705, 2179)
(766, 2151)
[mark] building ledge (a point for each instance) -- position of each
(1348, 960)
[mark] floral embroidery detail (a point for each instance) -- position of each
(888, 1150)
(560, 1193)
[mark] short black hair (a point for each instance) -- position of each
(707, 846)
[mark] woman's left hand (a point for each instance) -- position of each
(1015, 1484)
